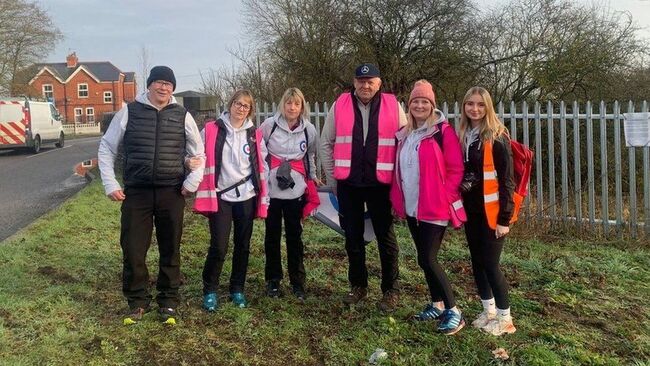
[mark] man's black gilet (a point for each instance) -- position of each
(154, 146)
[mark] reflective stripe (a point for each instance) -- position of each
(491, 197)
(343, 163)
(386, 142)
(208, 170)
(343, 139)
(491, 175)
(385, 166)
(457, 205)
(206, 194)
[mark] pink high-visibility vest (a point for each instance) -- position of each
(388, 124)
(206, 195)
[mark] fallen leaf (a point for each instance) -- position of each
(500, 354)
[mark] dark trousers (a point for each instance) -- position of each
(242, 215)
(428, 238)
(142, 208)
(291, 210)
(351, 201)
(485, 250)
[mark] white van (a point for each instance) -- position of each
(29, 124)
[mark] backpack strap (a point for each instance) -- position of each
(306, 156)
(438, 136)
(275, 125)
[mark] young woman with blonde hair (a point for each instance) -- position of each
(425, 191)
(487, 191)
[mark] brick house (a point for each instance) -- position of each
(83, 91)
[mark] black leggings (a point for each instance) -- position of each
(291, 210)
(428, 238)
(242, 215)
(486, 249)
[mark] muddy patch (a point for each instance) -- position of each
(56, 276)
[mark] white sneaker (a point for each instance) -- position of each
(500, 326)
(484, 318)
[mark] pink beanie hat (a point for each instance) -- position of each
(423, 89)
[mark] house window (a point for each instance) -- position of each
(108, 97)
(48, 92)
(90, 115)
(82, 90)
(78, 114)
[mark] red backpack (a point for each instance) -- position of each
(522, 162)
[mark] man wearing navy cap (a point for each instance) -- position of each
(158, 135)
(358, 157)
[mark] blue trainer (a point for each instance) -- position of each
(429, 312)
(238, 299)
(450, 322)
(210, 302)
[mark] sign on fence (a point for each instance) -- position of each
(637, 129)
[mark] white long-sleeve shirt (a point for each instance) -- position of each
(108, 147)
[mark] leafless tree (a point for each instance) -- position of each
(522, 50)
(27, 35)
(555, 49)
(144, 58)
(315, 44)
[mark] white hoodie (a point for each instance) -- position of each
(235, 163)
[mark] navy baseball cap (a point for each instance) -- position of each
(367, 70)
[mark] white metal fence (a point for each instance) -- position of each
(583, 174)
(81, 128)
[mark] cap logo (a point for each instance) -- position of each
(365, 69)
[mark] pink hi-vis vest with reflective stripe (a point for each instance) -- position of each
(388, 125)
(206, 195)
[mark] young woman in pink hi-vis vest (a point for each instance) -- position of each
(425, 191)
(233, 191)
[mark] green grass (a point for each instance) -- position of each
(574, 302)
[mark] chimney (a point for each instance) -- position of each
(72, 60)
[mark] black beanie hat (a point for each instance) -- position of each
(161, 73)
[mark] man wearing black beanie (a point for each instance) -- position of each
(163, 73)
(158, 135)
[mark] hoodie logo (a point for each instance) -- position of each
(303, 145)
(247, 149)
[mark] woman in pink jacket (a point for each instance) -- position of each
(425, 191)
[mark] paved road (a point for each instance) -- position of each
(33, 184)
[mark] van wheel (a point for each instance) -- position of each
(37, 144)
(61, 140)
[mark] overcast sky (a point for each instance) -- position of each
(188, 35)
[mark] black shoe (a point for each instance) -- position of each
(299, 293)
(389, 301)
(355, 295)
(273, 289)
(134, 315)
(168, 315)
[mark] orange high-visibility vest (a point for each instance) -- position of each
(491, 190)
